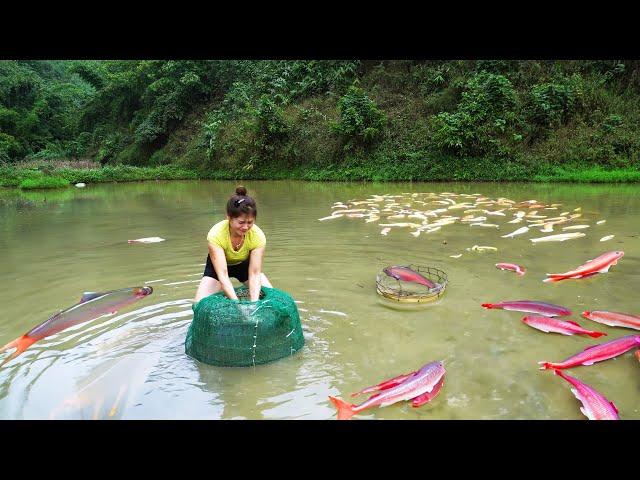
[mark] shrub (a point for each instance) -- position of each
(44, 182)
(361, 120)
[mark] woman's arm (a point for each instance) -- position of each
(220, 265)
(255, 273)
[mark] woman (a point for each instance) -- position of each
(236, 249)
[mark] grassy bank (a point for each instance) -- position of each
(417, 168)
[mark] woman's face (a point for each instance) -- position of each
(241, 225)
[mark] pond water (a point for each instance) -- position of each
(54, 245)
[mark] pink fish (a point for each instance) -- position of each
(428, 396)
(547, 324)
(511, 267)
(594, 405)
(638, 355)
(600, 264)
(613, 319)
(531, 306)
(91, 306)
(392, 382)
(596, 353)
(407, 275)
(423, 381)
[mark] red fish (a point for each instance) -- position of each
(392, 382)
(407, 275)
(548, 324)
(594, 405)
(91, 306)
(596, 353)
(423, 381)
(531, 306)
(614, 319)
(427, 396)
(638, 355)
(600, 264)
(511, 267)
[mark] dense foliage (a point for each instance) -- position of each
(379, 120)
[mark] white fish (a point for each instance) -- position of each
(489, 225)
(548, 228)
(576, 227)
(456, 256)
(516, 220)
(330, 217)
(146, 240)
(608, 237)
(416, 233)
(600, 222)
(517, 232)
(478, 248)
(385, 231)
(558, 238)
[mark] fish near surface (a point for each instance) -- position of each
(600, 264)
(554, 325)
(561, 237)
(594, 405)
(386, 384)
(423, 381)
(596, 353)
(90, 307)
(614, 319)
(511, 267)
(407, 275)
(146, 240)
(531, 306)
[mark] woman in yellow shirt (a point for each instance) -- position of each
(236, 249)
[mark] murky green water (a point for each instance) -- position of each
(55, 245)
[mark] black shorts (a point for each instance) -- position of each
(239, 271)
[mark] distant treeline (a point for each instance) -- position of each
(380, 120)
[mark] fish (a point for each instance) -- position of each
(553, 325)
(594, 405)
(517, 232)
(146, 240)
(511, 267)
(599, 264)
(92, 305)
(600, 222)
(638, 355)
(330, 217)
(456, 256)
(613, 319)
(531, 306)
(576, 227)
(407, 275)
(561, 237)
(385, 231)
(385, 385)
(428, 396)
(596, 353)
(423, 381)
(606, 237)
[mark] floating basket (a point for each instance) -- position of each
(411, 292)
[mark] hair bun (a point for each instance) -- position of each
(240, 190)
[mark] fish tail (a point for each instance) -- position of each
(596, 334)
(20, 344)
(345, 410)
(553, 279)
(638, 355)
(559, 373)
(487, 305)
(545, 365)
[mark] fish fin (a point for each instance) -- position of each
(20, 344)
(590, 346)
(487, 305)
(86, 296)
(590, 362)
(573, 323)
(584, 412)
(596, 334)
(345, 410)
(545, 365)
(614, 407)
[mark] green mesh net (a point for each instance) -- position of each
(232, 333)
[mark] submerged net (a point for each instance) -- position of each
(232, 333)
(410, 292)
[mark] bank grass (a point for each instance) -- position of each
(594, 174)
(43, 182)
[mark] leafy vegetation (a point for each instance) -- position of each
(319, 120)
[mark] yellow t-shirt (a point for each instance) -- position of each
(219, 235)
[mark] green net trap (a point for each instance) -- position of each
(232, 333)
